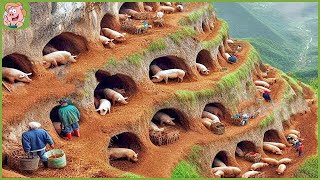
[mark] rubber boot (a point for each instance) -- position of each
(45, 164)
(69, 136)
(76, 133)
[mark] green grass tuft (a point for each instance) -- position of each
(157, 45)
(223, 32)
(196, 15)
(112, 61)
(309, 168)
(185, 169)
(267, 121)
(191, 97)
(130, 175)
(135, 59)
(185, 32)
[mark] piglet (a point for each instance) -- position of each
(116, 153)
(112, 34)
(164, 118)
(106, 41)
(263, 88)
(272, 148)
(14, 74)
(169, 74)
(104, 107)
(154, 127)
(279, 145)
(214, 110)
(258, 166)
(213, 117)
(114, 96)
(179, 8)
(270, 161)
(166, 9)
(58, 57)
(202, 69)
(262, 83)
(281, 168)
(249, 174)
(285, 161)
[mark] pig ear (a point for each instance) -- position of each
(20, 7)
(8, 7)
(125, 98)
(173, 119)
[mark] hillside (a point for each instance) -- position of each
(170, 116)
(288, 45)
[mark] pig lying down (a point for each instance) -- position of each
(168, 74)
(154, 127)
(58, 57)
(272, 148)
(15, 75)
(114, 96)
(112, 34)
(117, 153)
(104, 107)
(164, 118)
(106, 41)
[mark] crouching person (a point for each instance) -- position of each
(69, 116)
(34, 142)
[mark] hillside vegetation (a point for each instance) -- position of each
(290, 45)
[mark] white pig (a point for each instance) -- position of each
(285, 161)
(219, 174)
(123, 17)
(297, 133)
(166, 9)
(116, 153)
(169, 74)
(112, 34)
(104, 107)
(213, 117)
(114, 96)
(106, 41)
(258, 166)
(14, 74)
(263, 88)
(239, 152)
(154, 127)
(155, 69)
(218, 163)
(179, 8)
(202, 69)
(228, 170)
(159, 15)
(58, 57)
(164, 118)
(281, 168)
(206, 122)
(262, 83)
(270, 161)
(249, 174)
(271, 148)
(279, 145)
(216, 111)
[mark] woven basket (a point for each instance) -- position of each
(253, 157)
(168, 136)
(217, 128)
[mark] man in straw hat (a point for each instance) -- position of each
(69, 116)
(34, 142)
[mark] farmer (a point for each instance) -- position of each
(69, 116)
(231, 58)
(34, 142)
(300, 149)
(266, 96)
(245, 118)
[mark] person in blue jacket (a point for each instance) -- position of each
(69, 116)
(34, 142)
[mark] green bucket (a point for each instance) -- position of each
(56, 158)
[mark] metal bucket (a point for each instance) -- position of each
(29, 164)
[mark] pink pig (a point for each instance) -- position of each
(14, 16)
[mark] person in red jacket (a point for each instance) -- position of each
(300, 149)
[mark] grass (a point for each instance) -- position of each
(157, 45)
(196, 15)
(185, 169)
(191, 97)
(112, 61)
(223, 32)
(292, 82)
(185, 32)
(267, 121)
(130, 175)
(135, 59)
(309, 168)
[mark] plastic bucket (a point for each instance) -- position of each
(29, 164)
(56, 158)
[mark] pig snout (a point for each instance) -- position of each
(25, 78)
(170, 122)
